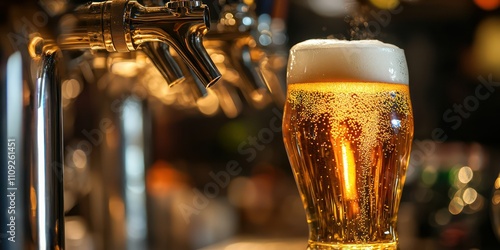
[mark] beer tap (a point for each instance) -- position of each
(114, 26)
(124, 26)
(117, 35)
(232, 38)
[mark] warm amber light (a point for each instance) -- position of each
(75, 229)
(348, 165)
(456, 206)
(70, 89)
(487, 4)
(469, 195)
(79, 158)
(208, 105)
(347, 162)
(162, 178)
(116, 207)
(497, 182)
(125, 68)
(385, 4)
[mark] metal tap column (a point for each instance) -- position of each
(46, 181)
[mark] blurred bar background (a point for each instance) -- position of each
(153, 167)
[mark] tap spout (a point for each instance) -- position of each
(183, 29)
(160, 56)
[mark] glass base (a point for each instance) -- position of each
(373, 246)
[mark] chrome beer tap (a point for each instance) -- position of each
(231, 37)
(124, 26)
(114, 39)
(114, 26)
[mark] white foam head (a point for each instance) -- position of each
(329, 60)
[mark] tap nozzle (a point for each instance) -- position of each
(186, 37)
(160, 55)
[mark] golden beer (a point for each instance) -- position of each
(348, 142)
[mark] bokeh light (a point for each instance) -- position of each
(465, 174)
(79, 158)
(429, 176)
(71, 88)
(487, 4)
(469, 195)
(385, 4)
(486, 46)
(456, 206)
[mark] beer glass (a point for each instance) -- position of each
(347, 129)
